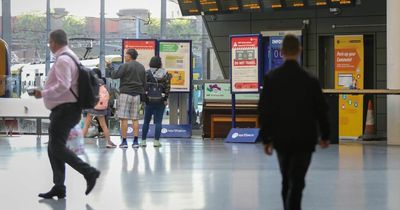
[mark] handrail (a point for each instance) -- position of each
(363, 92)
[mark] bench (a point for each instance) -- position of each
(215, 118)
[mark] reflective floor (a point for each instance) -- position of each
(197, 174)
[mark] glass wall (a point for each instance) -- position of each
(123, 20)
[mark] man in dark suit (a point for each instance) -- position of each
(291, 109)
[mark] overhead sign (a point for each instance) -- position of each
(245, 63)
(198, 7)
(176, 59)
(146, 49)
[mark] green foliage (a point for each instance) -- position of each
(74, 26)
(176, 29)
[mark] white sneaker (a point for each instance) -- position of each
(156, 143)
(143, 143)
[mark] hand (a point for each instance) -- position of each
(268, 149)
(165, 103)
(38, 93)
(324, 143)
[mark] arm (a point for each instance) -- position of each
(264, 112)
(118, 73)
(167, 85)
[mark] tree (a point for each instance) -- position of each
(176, 29)
(30, 32)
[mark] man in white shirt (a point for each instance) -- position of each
(65, 114)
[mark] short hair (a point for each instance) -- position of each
(133, 53)
(59, 37)
(155, 62)
(291, 45)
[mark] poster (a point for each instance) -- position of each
(176, 58)
(145, 48)
(349, 74)
(276, 52)
(245, 64)
(222, 92)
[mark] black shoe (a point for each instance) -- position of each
(60, 193)
(91, 181)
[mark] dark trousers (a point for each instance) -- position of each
(62, 119)
(158, 111)
(293, 166)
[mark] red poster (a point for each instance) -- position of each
(145, 48)
(244, 63)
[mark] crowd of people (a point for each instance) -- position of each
(278, 113)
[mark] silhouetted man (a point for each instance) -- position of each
(291, 108)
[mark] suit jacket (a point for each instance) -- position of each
(291, 109)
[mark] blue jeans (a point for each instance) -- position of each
(158, 111)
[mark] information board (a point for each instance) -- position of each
(176, 59)
(245, 63)
(197, 7)
(146, 49)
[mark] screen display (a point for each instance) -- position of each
(229, 5)
(189, 7)
(197, 7)
(209, 6)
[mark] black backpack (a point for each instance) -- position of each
(88, 86)
(155, 90)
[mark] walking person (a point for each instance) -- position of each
(159, 81)
(132, 77)
(100, 111)
(65, 114)
(291, 109)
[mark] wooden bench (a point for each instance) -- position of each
(215, 118)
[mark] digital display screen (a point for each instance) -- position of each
(209, 6)
(251, 5)
(272, 4)
(229, 5)
(317, 2)
(197, 7)
(189, 7)
(294, 3)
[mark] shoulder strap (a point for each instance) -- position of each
(152, 74)
(77, 65)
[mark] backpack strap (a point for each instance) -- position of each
(152, 74)
(77, 65)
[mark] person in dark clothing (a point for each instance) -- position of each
(291, 108)
(65, 114)
(132, 77)
(156, 76)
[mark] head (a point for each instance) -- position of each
(155, 62)
(291, 47)
(130, 55)
(98, 72)
(57, 40)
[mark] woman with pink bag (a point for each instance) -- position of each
(100, 111)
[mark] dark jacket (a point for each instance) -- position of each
(132, 77)
(291, 107)
(165, 81)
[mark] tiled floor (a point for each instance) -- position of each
(195, 174)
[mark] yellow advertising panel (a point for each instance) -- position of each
(349, 74)
(3, 66)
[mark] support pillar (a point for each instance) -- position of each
(393, 71)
